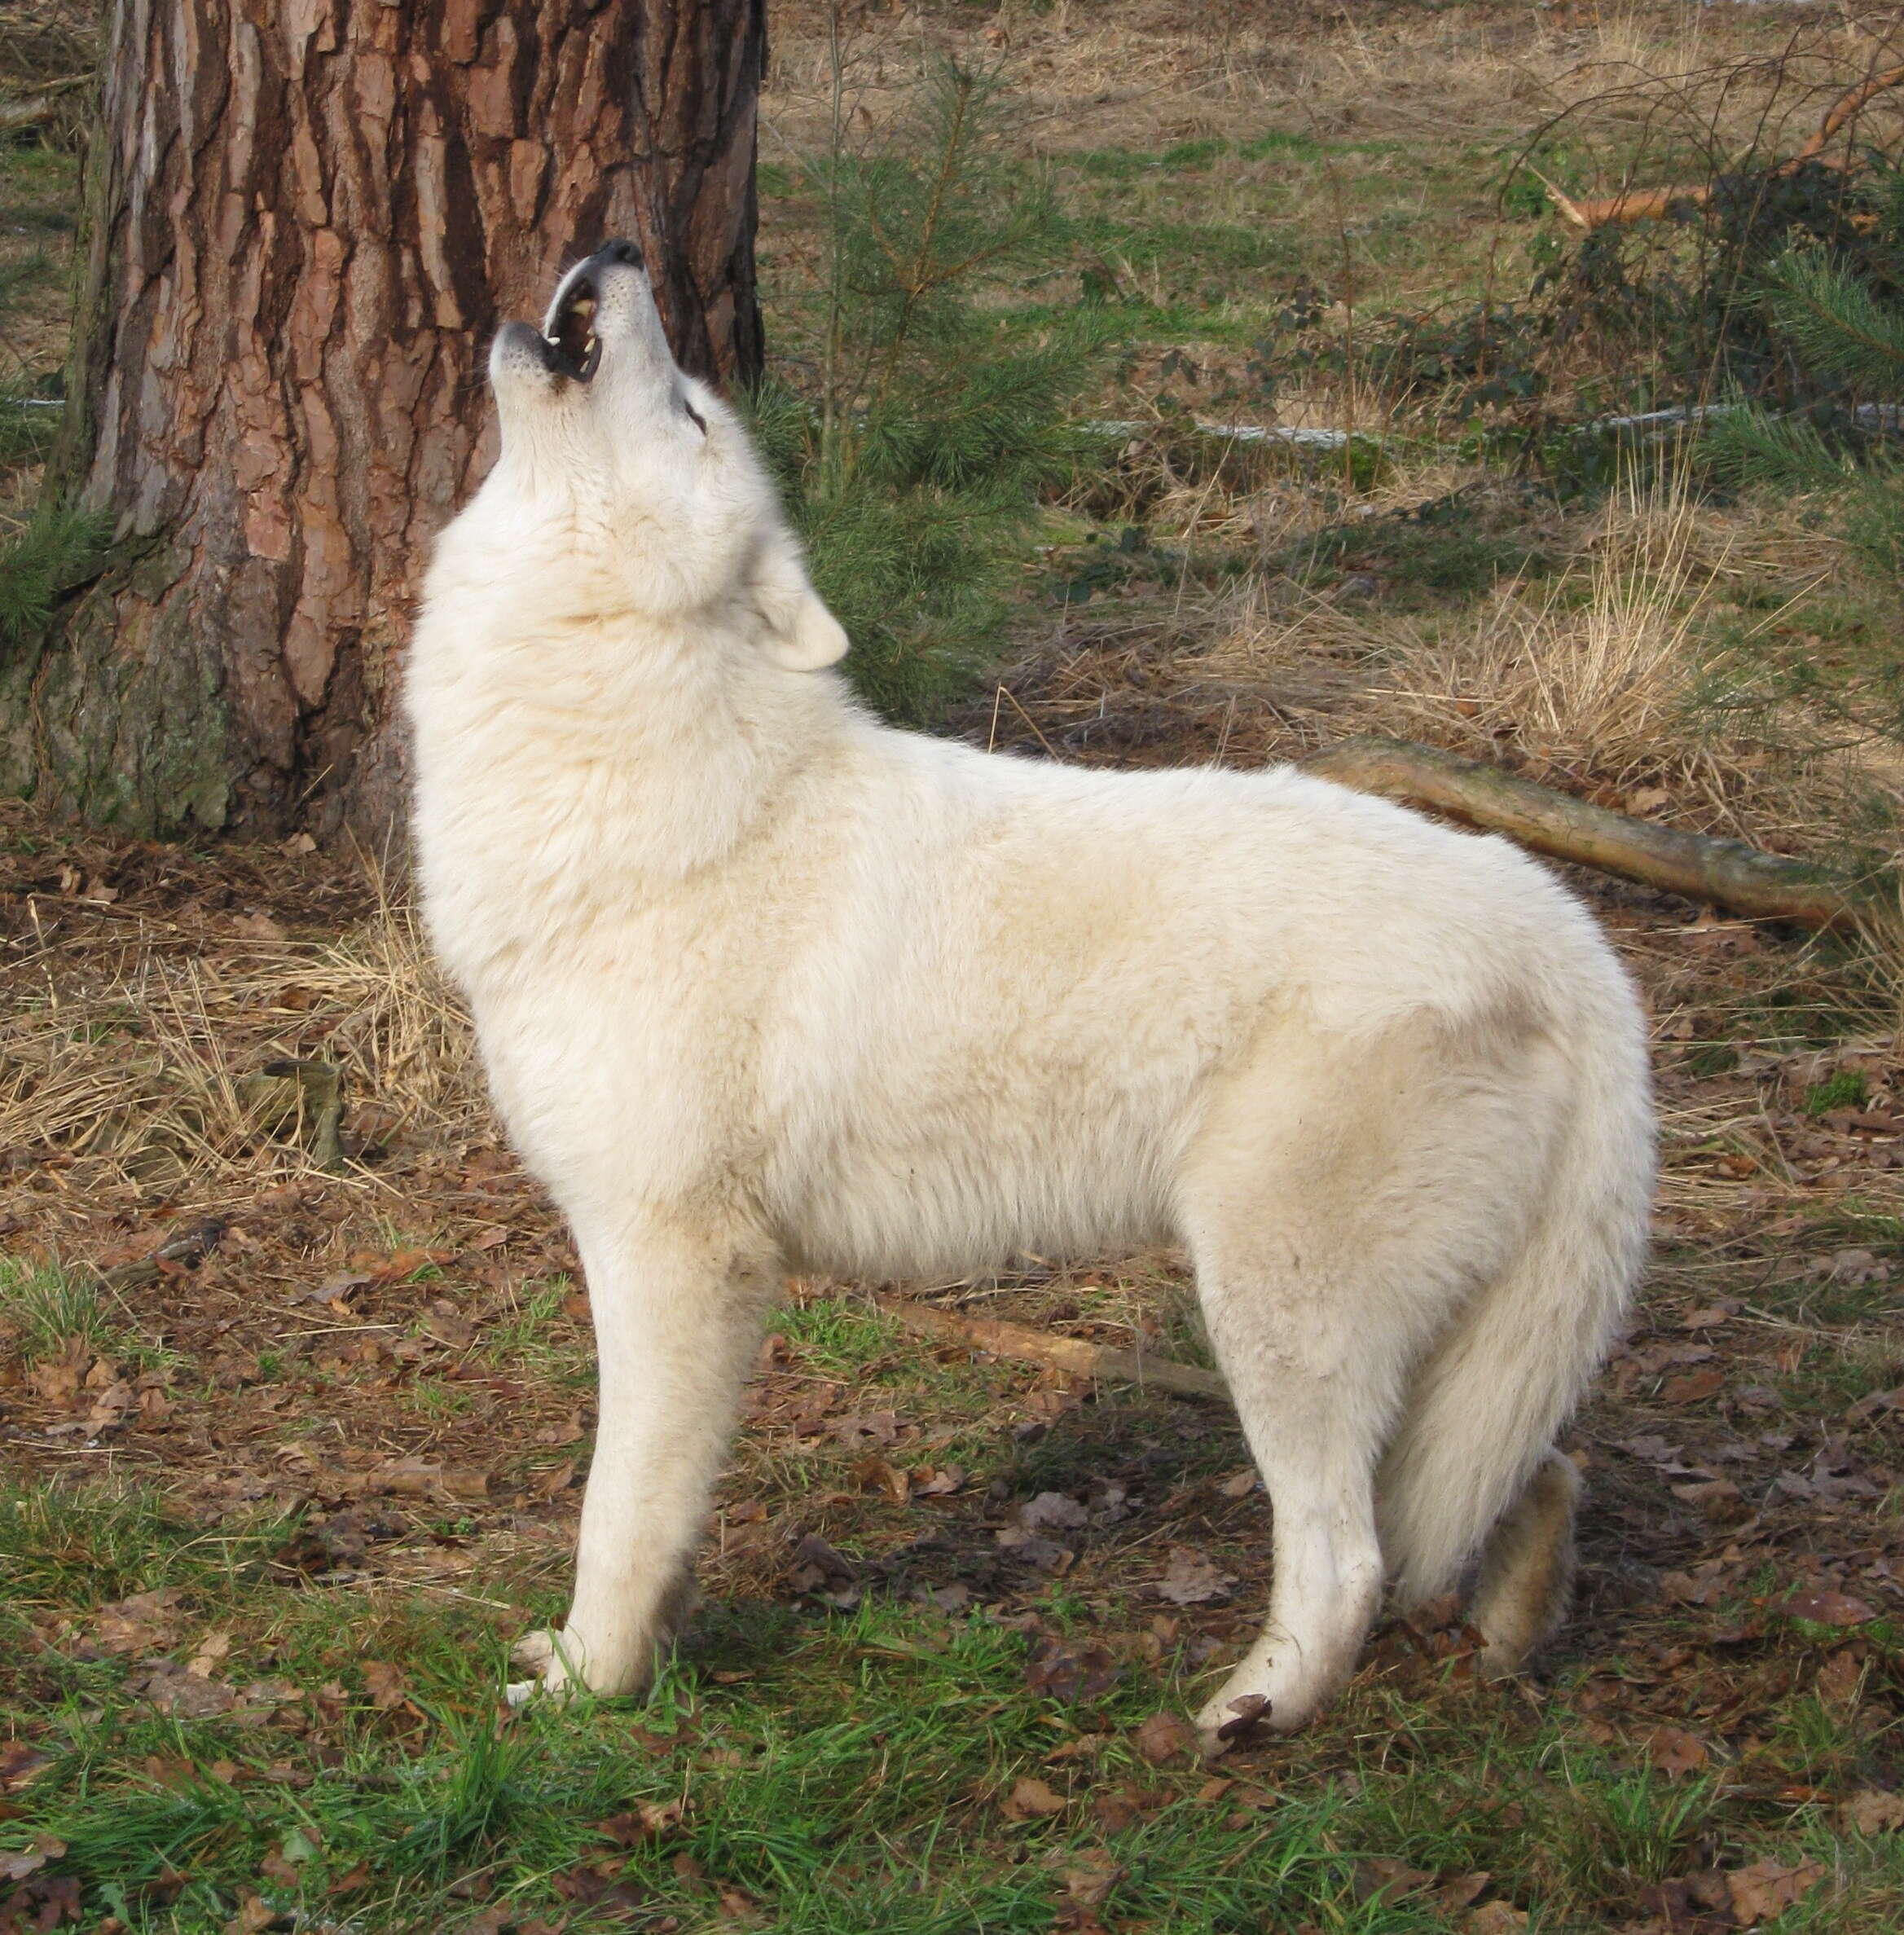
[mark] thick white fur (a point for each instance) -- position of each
(761, 985)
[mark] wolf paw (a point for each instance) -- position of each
(553, 1661)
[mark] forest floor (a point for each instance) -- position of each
(289, 1453)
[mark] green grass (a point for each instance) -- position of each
(48, 1306)
(846, 1776)
(536, 1339)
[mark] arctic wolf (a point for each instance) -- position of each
(764, 986)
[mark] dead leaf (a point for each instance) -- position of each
(1030, 1548)
(1089, 1876)
(1239, 1485)
(1673, 1750)
(1708, 1317)
(254, 1914)
(450, 1328)
(815, 1562)
(1069, 1672)
(1841, 1676)
(1081, 1747)
(1191, 1579)
(110, 1407)
(56, 1379)
(1030, 1800)
(141, 1624)
(275, 1868)
(1872, 1811)
(1828, 1607)
(17, 1867)
(385, 1683)
(1497, 1918)
(558, 1478)
(1767, 1888)
(1053, 1511)
(857, 1431)
(643, 1823)
(19, 1763)
(406, 1478)
(1694, 1386)
(492, 1236)
(1164, 1738)
(1703, 1588)
(1382, 1878)
(1458, 1891)
(182, 1695)
(875, 1474)
(1718, 1498)
(257, 927)
(1119, 1808)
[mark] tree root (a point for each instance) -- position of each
(1728, 873)
(1026, 1345)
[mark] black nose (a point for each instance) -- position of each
(620, 250)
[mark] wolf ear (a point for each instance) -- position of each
(799, 632)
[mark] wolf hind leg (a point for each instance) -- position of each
(1526, 1583)
(1344, 1200)
(1315, 1415)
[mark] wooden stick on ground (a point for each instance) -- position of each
(20, 112)
(1742, 879)
(1026, 1345)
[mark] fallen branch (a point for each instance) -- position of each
(1742, 879)
(18, 111)
(184, 1249)
(1643, 205)
(1026, 1345)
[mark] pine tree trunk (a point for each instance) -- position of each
(303, 224)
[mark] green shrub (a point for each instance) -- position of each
(914, 467)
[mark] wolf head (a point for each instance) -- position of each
(640, 478)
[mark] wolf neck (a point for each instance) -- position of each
(669, 748)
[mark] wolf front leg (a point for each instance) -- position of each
(677, 1324)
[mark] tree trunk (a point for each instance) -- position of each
(303, 224)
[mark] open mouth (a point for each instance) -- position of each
(574, 348)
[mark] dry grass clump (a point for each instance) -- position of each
(1600, 677)
(1594, 668)
(151, 1078)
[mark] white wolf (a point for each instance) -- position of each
(762, 985)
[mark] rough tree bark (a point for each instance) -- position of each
(304, 221)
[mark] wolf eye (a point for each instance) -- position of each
(699, 421)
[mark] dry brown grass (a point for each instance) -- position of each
(132, 1070)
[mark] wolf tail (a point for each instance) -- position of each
(1474, 1456)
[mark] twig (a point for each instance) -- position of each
(1728, 873)
(1021, 1342)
